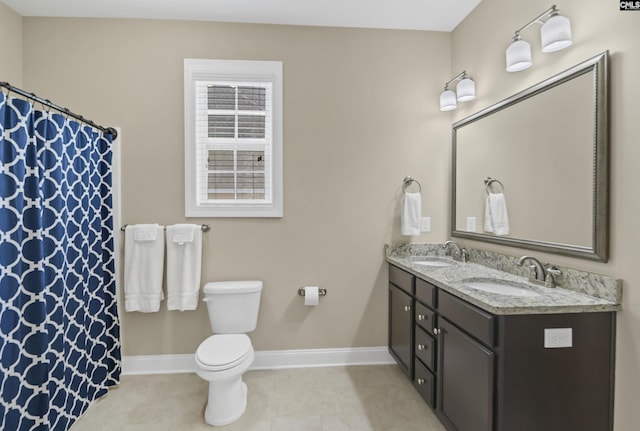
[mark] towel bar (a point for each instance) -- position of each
(407, 181)
(204, 227)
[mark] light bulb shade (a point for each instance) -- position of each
(448, 100)
(466, 90)
(518, 56)
(555, 33)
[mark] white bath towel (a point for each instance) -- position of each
(410, 214)
(184, 264)
(496, 219)
(143, 267)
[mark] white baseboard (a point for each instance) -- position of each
(264, 360)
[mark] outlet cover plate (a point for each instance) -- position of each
(555, 338)
(425, 224)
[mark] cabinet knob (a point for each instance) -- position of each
(422, 347)
(436, 331)
(407, 308)
(420, 381)
(422, 317)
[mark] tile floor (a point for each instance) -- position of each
(358, 398)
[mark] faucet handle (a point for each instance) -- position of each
(553, 272)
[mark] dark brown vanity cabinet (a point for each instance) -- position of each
(485, 372)
(465, 366)
(401, 286)
(424, 346)
(411, 324)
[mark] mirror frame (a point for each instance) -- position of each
(599, 249)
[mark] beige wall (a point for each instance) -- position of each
(11, 50)
(478, 46)
(360, 113)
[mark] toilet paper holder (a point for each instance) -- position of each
(321, 291)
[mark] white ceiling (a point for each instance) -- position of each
(437, 15)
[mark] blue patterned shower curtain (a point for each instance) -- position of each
(59, 329)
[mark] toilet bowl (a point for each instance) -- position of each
(223, 358)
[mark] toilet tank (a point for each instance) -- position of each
(233, 305)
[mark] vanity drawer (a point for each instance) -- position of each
(426, 293)
(425, 348)
(425, 317)
(401, 278)
(424, 383)
(470, 318)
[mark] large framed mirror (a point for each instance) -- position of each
(546, 150)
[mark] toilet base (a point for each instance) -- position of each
(227, 402)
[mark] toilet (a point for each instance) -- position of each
(223, 358)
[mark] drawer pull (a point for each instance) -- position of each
(422, 317)
(422, 347)
(420, 381)
(436, 331)
(407, 308)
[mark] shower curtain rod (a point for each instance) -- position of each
(107, 130)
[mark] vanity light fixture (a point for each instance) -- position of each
(555, 35)
(466, 90)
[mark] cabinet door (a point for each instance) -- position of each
(401, 328)
(465, 381)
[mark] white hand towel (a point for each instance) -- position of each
(410, 214)
(143, 267)
(488, 222)
(499, 219)
(184, 264)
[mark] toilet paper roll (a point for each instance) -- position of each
(311, 295)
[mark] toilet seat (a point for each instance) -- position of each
(222, 352)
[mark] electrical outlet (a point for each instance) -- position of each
(425, 224)
(471, 224)
(558, 337)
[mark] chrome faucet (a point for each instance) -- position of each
(456, 251)
(538, 272)
(545, 274)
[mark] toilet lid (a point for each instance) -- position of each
(220, 352)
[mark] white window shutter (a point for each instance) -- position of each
(233, 138)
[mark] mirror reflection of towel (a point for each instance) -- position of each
(410, 214)
(496, 219)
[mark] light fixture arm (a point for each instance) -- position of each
(461, 75)
(553, 10)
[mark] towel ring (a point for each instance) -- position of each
(489, 181)
(407, 181)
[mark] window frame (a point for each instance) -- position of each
(236, 71)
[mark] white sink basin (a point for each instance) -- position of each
(501, 287)
(434, 261)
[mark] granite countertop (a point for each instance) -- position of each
(549, 300)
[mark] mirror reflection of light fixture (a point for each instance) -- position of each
(465, 91)
(555, 35)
